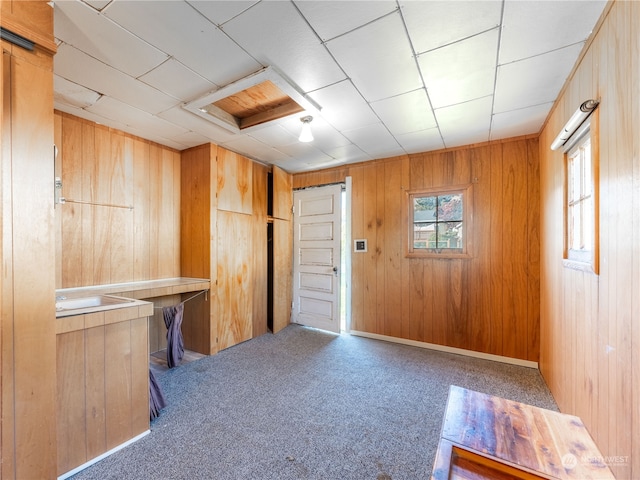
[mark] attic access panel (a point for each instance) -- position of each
(251, 102)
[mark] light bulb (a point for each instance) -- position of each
(305, 133)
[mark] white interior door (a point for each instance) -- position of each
(316, 257)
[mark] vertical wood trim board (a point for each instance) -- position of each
(259, 236)
(488, 303)
(28, 253)
(590, 324)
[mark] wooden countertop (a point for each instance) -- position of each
(142, 289)
(491, 437)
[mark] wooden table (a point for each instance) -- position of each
(487, 437)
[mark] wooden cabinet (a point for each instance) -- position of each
(217, 242)
(224, 238)
(282, 245)
(282, 273)
(282, 194)
(27, 250)
(198, 242)
(102, 383)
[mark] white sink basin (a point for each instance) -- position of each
(89, 302)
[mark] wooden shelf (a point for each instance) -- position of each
(143, 289)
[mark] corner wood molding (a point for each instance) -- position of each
(14, 25)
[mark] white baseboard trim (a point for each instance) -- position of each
(104, 455)
(443, 348)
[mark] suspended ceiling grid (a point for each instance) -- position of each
(390, 77)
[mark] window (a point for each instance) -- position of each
(581, 202)
(439, 222)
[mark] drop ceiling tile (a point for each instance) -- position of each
(406, 113)
(291, 47)
(272, 156)
(465, 123)
(116, 110)
(178, 29)
(97, 4)
(378, 59)
(87, 115)
(421, 141)
(348, 154)
(530, 30)
(78, 67)
(176, 80)
(252, 148)
(519, 122)
(274, 135)
(221, 11)
(79, 25)
(72, 94)
(185, 119)
(305, 152)
(343, 106)
(190, 139)
(374, 140)
(433, 24)
(332, 18)
(534, 80)
(461, 71)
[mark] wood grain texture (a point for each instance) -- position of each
(544, 442)
(117, 375)
(95, 394)
(282, 194)
(70, 368)
(102, 388)
(235, 278)
(28, 253)
(589, 331)
(282, 272)
(234, 182)
(488, 303)
(259, 236)
(32, 20)
(102, 244)
(198, 242)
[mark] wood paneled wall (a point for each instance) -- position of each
(489, 303)
(27, 246)
(104, 244)
(590, 324)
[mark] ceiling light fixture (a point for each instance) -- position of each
(305, 133)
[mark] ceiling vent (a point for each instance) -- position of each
(252, 102)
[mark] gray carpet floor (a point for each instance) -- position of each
(305, 404)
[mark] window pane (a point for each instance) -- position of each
(588, 226)
(424, 209)
(574, 176)
(450, 208)
(437, 220)
(575, 227)
(450, 235)
(423, 234)
(586, 165)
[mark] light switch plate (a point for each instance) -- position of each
(360, 245)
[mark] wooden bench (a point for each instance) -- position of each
(487, 437)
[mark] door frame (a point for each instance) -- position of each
(345, 251)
